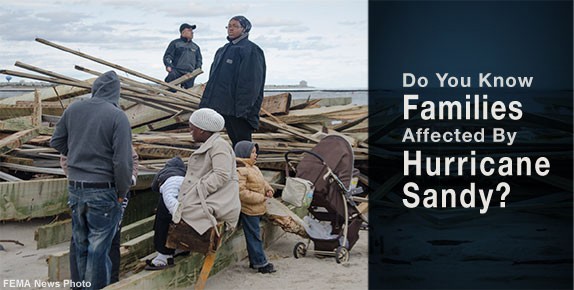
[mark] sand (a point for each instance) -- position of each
(24, 265)
(307, 272)
(27, 266)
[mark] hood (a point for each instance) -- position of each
(107, 88)
(173, 167)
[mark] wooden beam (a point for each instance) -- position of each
(101, 61)
(47, 197)
(33, 198)
(50, 94)
(55, 171)
(277, 104)
(186, 270)
(53, 234)
(16, 140)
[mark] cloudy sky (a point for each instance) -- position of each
(321, 41)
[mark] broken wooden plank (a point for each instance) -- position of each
(16, 140)
(186, 270)
(35, 169)
(323, 114)
(277, 104)
(50, 94)
(107, 63)
(33, 198)
(53, 234)
(7, 177)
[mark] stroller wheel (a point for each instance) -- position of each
(341, 255)
(300, 250)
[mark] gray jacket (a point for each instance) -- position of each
(183, 55)
(95, 135)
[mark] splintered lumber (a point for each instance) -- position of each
(50, 94)
(55, 171)
(8, 177)
(347, 112)
(33, 198)
(186, 77)
(176, 119)
(157, 151)
(41, 198)
(53, 234)
(141, 114)
(132, 246)
(101, 61)
(276, 104)
(16, 140)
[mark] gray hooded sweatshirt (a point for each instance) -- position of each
(95, 135)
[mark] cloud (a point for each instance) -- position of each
(298, 28)
(278, 42)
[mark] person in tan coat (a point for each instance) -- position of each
(253, 192)
(209, 193)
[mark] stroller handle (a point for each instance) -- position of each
(300, 151)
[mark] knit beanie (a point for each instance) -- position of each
(243, 148)
(243, 21)
(207, 119)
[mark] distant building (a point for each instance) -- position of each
(302, 84)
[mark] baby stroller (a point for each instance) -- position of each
(329, 166)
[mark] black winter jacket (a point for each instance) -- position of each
(183, 55)
(236, 81)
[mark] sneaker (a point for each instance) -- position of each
(267, 269)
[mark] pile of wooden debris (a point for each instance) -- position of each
(34, 185)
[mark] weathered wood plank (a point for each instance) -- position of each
(49, 94)
(40, 198)
(53, 234)
(277, 104)
(33, 198)
(186, 269)
(16, 140)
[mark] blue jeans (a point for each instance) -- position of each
(253, 240)
(95, 217)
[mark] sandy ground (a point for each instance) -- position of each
(307, 272)
(26, 265)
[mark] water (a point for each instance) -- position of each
(359, 97)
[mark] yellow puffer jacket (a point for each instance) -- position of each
(252, 187)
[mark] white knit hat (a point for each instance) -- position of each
(207, 119)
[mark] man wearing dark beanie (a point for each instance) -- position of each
(182, 56)
(236, 81)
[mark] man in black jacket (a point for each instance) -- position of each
(182, 56)
(236, 81)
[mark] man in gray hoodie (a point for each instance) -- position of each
(95, 135)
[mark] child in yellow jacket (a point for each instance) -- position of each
(253, 191)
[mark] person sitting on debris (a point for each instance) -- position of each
(167, 182)
(253, 192)
(182, 56)
(210, 191)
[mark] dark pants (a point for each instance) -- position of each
(253, 240)
(238, 129)
(114, 256)
(175, 74)
(161, 227)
